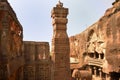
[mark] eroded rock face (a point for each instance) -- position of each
(86, 42)
(11, 43)
(36, 51)
(102, 37)
(37, 61)
(111, 22)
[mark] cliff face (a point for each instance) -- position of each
(103, 37)
(80, 42)
(11, 42)
(110, 23)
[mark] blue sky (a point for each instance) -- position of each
(35, 16)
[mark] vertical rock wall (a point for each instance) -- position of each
(110, 23)
(11, 43)
(38, 65)
(102, 37)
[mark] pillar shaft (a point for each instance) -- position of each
(60, 43)
(95, 72)
(100, 72)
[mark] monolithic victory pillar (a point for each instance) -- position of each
(60, 43)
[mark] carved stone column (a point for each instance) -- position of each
(99, 56)
(95, 71)
(60, 43)
(91, 70)
(94, 56)
(100, 72)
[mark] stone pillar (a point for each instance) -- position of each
(94, 56)
(60, 43)
(95, 72)
(99, 56)
(100, 72)
(91, 69)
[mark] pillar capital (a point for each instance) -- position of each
(94, 68)
(99, 69)
(100, 72)
(59, 11)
